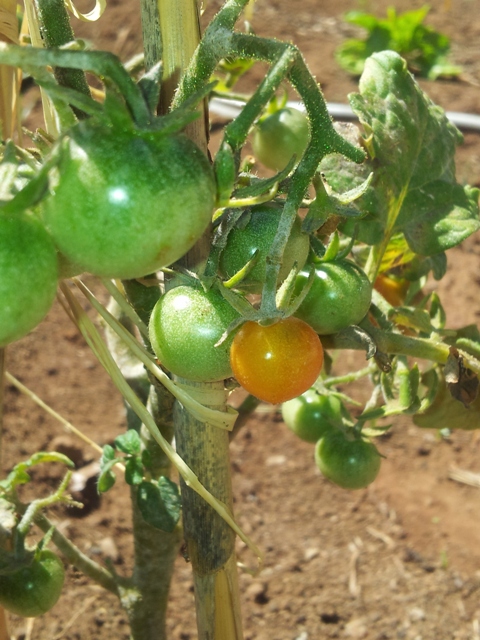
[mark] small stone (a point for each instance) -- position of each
(257, 592)
(311, 553)
(416, 614)
(109, 549)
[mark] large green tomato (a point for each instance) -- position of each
(350, 463)
(256, 231)
(28, 275)
(33, 590)
(185, 325)
(126, 203)
(340, 296)
(312, 414)
(280, 136)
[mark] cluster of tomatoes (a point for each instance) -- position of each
(120, 204)
(341, 454)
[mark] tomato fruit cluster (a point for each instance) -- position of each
(35, 589)
(256, 238)
(340, 296)
(28, 275)
(185, 325)
(123, 204)
(277, 362)
(280, 136)
(312, 414)
(351, 463)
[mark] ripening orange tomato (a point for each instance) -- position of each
(278, 362)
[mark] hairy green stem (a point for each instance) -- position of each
(102, 63)
(56, 31)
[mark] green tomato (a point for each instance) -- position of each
(185, 325)
(33, 590)
(311, 415)
(349, 463)
(28, 275)
(280, 136)
(126, 203)
(340, 296)
(255, 232)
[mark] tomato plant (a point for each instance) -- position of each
(125, 194)
(348, 461)
(280, 136)
(35, 589)
(124, 203)
(311, 415)
(340, 296)
(253, 236)
(276, 362)
(185, 326)
(28, 275)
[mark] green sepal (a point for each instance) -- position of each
(159, 503)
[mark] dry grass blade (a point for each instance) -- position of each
(9, 76)
(465, 477)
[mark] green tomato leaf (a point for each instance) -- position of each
(446, 412)
(107, 478)
(134, 471)
(129, 442)
(413, 145)
(440, 217)
(159, 503)
(410, 136)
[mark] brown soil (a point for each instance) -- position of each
(399, 560)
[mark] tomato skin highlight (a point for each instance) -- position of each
(184, 327)
(348, 463)
(122, 204)
(28, 275)
(340, 296)
(35, 589)
(280, 136)
(257, 236)
(278, 362)
(312, 414)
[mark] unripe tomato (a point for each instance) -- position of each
(126, 203)
(340, 296)
(280, 136)
(33, 590)
(312, 414)
(28, 275)
(185, 325)
(394, 290)
(349, 463)
(258, 235)
(278, 362)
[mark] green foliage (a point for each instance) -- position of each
(411, 146)
(159, 503)
(424, 49)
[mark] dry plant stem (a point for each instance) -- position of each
(4, 635)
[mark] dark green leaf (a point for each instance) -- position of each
(134, 471)
(159, 503)
(107, 478)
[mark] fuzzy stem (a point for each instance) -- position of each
(56, 31)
